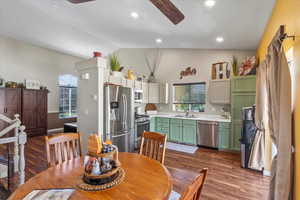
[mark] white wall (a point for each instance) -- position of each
(173, 61)
(19, 61)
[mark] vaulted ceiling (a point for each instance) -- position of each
(106, 25)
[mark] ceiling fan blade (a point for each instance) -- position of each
(79, 1)
(169, 10)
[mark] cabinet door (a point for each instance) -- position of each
(12, 102)
(243, 84)
(29, 116)
(145, 92)
(164, 93)
(189, 134)
(2, 108)
(236, 135)
(41, 109)
(239, 100)
(219, 91)
(153, 93)
(176, 132)
(224, 136)
(153, 124)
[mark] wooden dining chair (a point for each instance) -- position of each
(193, 191)
(153, 145)
(62, 147)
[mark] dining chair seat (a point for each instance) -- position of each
(61, 147)
(153, 145)
(193, 191)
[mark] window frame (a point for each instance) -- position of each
(62, 115)
(174, 103)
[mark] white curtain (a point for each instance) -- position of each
(257, 156)
(280, 118)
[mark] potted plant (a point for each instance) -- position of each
(115, 66)
(235, 69)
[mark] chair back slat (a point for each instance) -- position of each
(193, 191)
(62, 147)
(153, 145)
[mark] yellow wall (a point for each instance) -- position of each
(287, 12)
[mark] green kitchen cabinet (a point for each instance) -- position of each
(153, 124)
(224, 135)
(175, 133)
(189, 134)
(242, 95)
(163, 125)
(243, 84)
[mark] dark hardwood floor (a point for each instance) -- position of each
(226, 179)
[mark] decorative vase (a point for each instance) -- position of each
(117, 74)
(152, 78)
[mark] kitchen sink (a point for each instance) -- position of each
(183, 116)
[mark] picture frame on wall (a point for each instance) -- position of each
(32, 84)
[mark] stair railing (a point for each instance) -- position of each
(19, 139)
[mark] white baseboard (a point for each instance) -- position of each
(266, 173)
(55, 130)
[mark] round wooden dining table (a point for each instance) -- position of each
(145, 179)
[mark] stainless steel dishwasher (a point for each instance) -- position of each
(208, 134)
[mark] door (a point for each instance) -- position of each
(41, 108)
(29, 118)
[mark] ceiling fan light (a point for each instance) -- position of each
(158, 41)
(220, 39)
(209, 3)
(134, 15)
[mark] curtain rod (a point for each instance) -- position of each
(284, 35)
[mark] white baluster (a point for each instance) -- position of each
(22, 141)
(16, 144)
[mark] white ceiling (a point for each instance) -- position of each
(106, 25)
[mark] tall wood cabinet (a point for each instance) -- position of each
(31, 105)
(10, 104)
(243, 92)
(34, 111)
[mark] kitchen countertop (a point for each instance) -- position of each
(200, 117)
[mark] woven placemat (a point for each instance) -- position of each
(87, 187)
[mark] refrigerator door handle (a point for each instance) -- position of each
(126, 111)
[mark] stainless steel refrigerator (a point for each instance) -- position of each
(119, 117)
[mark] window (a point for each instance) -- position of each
(189, 96)
(67, 96)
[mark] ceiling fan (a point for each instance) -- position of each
(165, 6)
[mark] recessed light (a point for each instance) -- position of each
(210, 3)
(134, 15)
(220, 39)
(158, 40)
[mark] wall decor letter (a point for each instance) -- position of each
(188, 72)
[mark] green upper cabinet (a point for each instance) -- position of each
(242, 95)
(243, 84)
